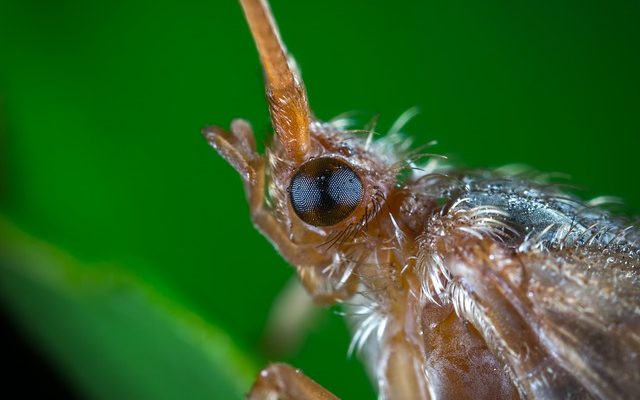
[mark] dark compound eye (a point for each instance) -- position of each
(325, 191)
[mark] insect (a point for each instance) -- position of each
(459, 283)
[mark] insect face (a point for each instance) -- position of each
(327, 198)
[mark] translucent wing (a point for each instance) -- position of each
(552, 284)
(566, 320)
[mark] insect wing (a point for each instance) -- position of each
(565, 321)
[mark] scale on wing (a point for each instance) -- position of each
(561, 305)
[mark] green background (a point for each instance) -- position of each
(101, 104)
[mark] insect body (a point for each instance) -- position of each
(459, 284)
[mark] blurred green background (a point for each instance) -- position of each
(101, 104)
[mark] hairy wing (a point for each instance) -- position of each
(567, 322)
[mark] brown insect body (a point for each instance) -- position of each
(459, 284)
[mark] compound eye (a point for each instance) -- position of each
(324, 191)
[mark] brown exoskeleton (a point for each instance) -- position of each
(459, 284)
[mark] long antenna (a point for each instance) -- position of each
(286, 94)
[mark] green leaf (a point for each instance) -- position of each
(113, 335)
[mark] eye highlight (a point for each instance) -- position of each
(324, 191)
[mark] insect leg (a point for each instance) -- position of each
(238, 148)
(292, 315)
(401, 375)
(284, 382)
